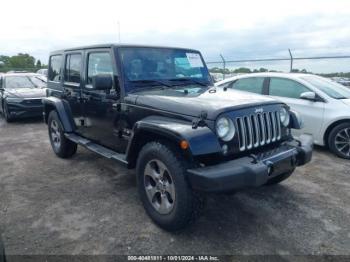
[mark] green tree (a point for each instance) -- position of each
(22, 61)
(38, 64)
(242, 70)
(263, 69)
(5, 59)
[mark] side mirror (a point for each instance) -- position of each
(308, 96)
(102, 82)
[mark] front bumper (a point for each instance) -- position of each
(19, 110)
(254, 170)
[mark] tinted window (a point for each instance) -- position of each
(99, 63)
(253, 84)
(286, 88)
(72, 68)
(55, 68)
(12, 82)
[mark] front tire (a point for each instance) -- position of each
(6, 112)
(164, 191)
(62, 146)
(339, 140)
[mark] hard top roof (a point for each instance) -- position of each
(117, 46)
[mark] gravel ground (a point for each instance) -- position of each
(89, 205)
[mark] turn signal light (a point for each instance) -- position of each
(184, 144)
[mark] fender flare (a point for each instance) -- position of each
(202, 140)
(63, 110)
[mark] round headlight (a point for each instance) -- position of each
(284, 117)
(225, 128)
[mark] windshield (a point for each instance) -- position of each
(12, 82)
(329, 87)
(38, 81)
(145, 67)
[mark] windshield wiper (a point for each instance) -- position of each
(151, 81)
(187, 81)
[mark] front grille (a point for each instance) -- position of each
(258, 130)
(32, 101)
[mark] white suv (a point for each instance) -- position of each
(323, 104)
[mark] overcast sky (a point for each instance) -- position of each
(236, 29)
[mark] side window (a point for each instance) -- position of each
(55, 68)
(72, 68)
(99, 63)
(286, 88)
(253, 84)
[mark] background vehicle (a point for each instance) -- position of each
(42, 72)
(155, 109)
(21, 95)
(323, 104)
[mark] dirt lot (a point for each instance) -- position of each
(89, 205)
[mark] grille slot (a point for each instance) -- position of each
(258, 129)
(32, 101)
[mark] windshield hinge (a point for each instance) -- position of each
(200, 121)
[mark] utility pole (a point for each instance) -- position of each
(291, 60)
(224, 64)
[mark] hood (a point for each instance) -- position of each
(26, 92)
(213, 101)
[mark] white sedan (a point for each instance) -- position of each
(324, 105)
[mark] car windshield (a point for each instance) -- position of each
(38, 81)
(329, 87)
(14, 82)
(145, 67)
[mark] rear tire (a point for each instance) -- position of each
(339, 140)
(164, 191)
(62, 146)
(279, 179)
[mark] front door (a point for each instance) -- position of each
(312, 112)
(101, 106)
(72, 84)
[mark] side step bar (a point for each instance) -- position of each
(101, 150)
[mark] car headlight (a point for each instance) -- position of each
(225, 128)
(14, 100)
(284, 117)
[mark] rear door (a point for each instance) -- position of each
(72, 84)
(289, 91)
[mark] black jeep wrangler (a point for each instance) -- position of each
(155, 109)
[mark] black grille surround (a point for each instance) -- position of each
(256, 127)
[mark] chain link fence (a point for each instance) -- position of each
(330, 66)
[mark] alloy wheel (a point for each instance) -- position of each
(342, 141)
(55, 134)
(159, 186)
